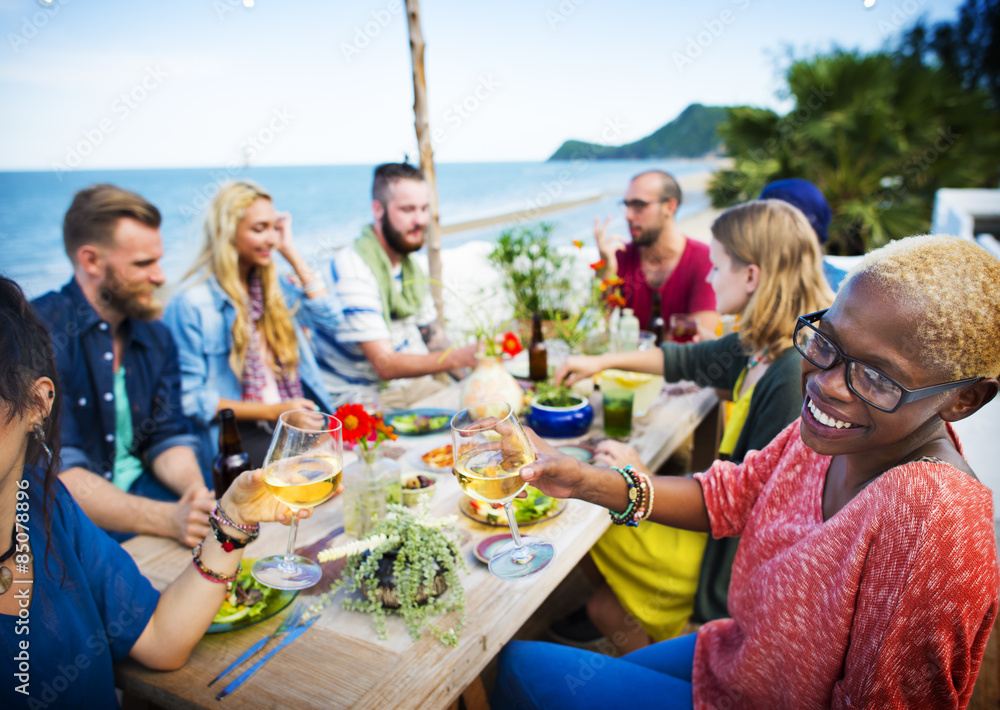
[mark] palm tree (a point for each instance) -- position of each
(877, 133)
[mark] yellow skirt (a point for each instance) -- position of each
(653, 570)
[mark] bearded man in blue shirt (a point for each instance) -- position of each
(128, 456)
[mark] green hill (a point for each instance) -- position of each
(691, 135)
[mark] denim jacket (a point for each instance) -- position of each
(84, 353)
(201, 320)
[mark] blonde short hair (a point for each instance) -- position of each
(955, 286)
(778, 238)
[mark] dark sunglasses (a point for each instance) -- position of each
(638, 205)
(868, 383)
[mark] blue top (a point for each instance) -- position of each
(201, 319)
(85, 363)
(77, 628)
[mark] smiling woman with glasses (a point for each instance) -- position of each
(867, 571)
(877, 389)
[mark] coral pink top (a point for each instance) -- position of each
(889, 603)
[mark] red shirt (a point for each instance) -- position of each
(684, 291)
(887, 604)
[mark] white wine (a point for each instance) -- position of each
(304, 481)
(489, 477)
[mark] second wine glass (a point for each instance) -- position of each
(303, 468)
(490, 448)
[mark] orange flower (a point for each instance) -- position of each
(381, 428)
(511, 344)
(614, 281)
(578, 244)
(598, 265)
(355, 421)
(615, 299)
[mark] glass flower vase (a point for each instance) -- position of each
(370, 483)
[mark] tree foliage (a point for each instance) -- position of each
(878, 134)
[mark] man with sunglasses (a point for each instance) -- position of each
(659, 259)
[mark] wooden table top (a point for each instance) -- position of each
(340, 662)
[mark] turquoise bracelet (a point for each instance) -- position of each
(633, 512)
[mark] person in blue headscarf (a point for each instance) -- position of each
(807, 197)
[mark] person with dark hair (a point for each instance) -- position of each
(659, 259)
(807, 197)
(129, 457)
(390, 335)
(72, 601)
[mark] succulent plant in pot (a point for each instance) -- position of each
(557, 411)
(408, 566)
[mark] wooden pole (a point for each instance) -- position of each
(422, 125)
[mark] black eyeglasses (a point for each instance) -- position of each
(638, 205)
(875, 388)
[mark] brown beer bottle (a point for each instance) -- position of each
(538, 356)
(232, 459)
(656, 325)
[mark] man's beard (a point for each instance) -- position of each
(394, 238)
(647, 236)
(124, 299)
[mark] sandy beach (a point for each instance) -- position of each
(696, 226)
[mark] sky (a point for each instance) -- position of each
(190, 83)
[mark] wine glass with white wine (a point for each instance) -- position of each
(303, 468)
(490, 448)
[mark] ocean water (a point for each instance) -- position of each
(329, 205)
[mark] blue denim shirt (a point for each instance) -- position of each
(201, 319)
(84, 353)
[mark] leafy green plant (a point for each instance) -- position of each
(551, 395)
(425, 549)
(534, 273)
(878, 134)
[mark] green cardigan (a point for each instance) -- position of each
(776, 402)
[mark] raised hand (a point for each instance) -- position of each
(608, 245)
(283, 226)
(248, 501)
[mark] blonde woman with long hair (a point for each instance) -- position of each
(238, 324)
(766, 268)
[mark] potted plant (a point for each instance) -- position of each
(557, 411)
(408, 566)
(533, 271)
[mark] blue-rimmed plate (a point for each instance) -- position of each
(419, 422)
(274, 605)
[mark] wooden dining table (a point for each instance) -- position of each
(340, 662)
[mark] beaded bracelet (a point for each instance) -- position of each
(628, 516)
(220, 515)
(209, 574)
(228, 542)
(647, 487)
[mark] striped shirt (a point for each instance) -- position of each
(339, 355)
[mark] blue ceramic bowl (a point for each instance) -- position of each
(561, 422)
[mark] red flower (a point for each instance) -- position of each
(598, 265)
(355, 421)
(511, 344)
